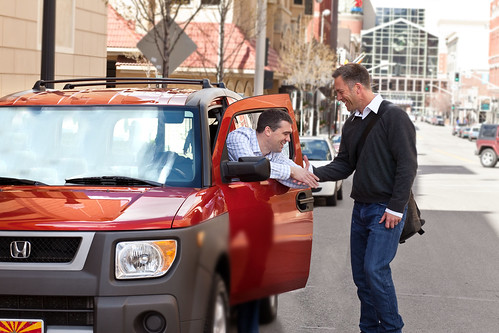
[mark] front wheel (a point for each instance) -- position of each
(488, 158)
(218, 308)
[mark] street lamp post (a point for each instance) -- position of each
(261, 25)
(325, 12)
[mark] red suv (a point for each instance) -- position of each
(120, 212)
(487, 145)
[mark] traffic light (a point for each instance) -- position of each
(427, 87)
(456, 77)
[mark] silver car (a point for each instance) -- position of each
(320, 151)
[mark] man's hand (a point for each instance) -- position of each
(390, 220)
(303, 176)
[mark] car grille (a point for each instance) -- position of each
(54, 310)
(43, 249)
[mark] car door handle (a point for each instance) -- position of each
(305, 201)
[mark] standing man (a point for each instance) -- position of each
(385, 166)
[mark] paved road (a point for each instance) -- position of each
(447, 280)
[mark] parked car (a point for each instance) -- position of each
(457, 128)
(473, 133)
(439, 120)
(336, 140)
(465, 132)
(487, 145)
(320, 151)
(120, 211)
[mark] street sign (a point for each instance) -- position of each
(184, 47)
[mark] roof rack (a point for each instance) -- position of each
(71, 83)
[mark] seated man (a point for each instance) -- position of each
(273, 131)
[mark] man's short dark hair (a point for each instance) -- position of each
(353, 73)
(272, 118)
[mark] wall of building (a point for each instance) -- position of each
(494, 43)
(80, 41)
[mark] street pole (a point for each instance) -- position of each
(302, 115)
(48, 42)
(333, 36)
(325, 12)
(261, 30)
(322, 27)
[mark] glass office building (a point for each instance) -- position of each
(414, 15)
(402, 57)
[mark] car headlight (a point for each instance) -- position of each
(144, 259)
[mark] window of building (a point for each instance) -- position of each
(418, 86)
(401, 85)
(384, 85)
(410, 85)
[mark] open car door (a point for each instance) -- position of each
(270, 224)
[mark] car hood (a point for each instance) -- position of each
(77, 208)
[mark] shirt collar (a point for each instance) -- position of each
(255, 147)
(372, 106)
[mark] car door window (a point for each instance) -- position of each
(250, 120)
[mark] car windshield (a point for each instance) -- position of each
(100, 145)
(316, 150)
(488, 131)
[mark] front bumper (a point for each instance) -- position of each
(75, 299)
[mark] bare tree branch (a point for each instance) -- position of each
(309, 64)
(148, 13)
(229, 39)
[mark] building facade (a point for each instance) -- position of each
(239, 51)
(80, 41)
(402, 57)
(494, 61)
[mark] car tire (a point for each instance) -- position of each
(488, 158)
(268, 309)
(339, 194)
(217, 317)
(332, 200)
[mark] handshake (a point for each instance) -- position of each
(303, 176)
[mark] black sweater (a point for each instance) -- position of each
(387, 166)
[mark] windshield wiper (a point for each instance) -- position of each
(19, 181)
(113, 181)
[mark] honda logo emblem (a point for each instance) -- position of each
(20, 249)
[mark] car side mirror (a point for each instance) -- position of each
(247, 169)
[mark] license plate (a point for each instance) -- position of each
(21, 326)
